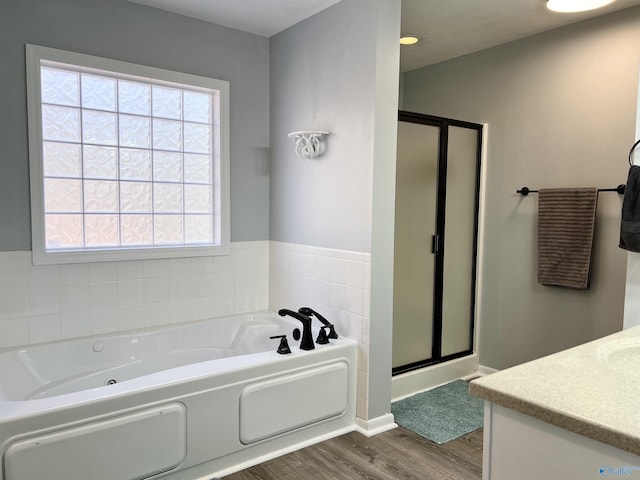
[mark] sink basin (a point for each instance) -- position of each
(622, 355)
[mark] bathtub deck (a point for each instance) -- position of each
(395, 454)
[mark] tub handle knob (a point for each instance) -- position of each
(283, 348)
(310, 312)
(322, 339)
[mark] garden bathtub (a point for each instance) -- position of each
(183, 402)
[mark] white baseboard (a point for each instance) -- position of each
(377, 425)
(482, 370)
(410, 383)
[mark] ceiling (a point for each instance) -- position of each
(447, 28)
(262, 17)
(450, 28)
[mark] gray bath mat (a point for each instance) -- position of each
(441, 414)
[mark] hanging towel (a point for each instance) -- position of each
(566, 218)
(630, 225)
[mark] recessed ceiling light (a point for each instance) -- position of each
(567, 6)
(408, 40)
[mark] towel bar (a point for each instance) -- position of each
(524, 191)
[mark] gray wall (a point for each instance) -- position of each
(561, 110)
(129, 32)
(387, 63)
(338, 71)
(322, 72)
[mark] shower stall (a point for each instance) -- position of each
(436, 244)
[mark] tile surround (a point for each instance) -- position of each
(336, 283)
(54, 302)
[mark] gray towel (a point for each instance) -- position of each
(630, 225)
(566, 219)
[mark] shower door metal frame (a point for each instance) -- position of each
(438, 243)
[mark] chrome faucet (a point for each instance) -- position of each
(307, 339)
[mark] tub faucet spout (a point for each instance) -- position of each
(309, 312)
(307, 338)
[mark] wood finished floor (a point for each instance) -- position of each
(393, 455)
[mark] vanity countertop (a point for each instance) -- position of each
(592, 389)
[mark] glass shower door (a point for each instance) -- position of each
(437, 192)
(416, 196)
(458, 282)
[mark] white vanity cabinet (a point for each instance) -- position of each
(517, 446)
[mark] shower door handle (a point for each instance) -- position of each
(434, 244)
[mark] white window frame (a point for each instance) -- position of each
(34, 56)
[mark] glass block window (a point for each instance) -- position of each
(130, 160)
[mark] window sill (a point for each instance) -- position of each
(88, 256)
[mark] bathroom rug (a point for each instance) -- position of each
(441, 414)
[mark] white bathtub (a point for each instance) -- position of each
(187, 402)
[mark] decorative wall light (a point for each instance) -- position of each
(309, 143)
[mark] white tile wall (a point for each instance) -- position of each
(53, 302)
(336, 283)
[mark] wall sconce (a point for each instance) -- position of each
(309, 143)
